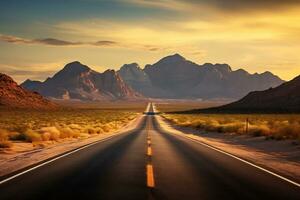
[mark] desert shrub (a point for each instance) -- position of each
(17, 136)
(50, 133)
(32, 136)
(90, 131)
(99, 130)
(271, 126)
(67, 132)
(5, 144)
(31, 126)
(74, 126)
(106, 127)
(4, 136)
(259, 130)
(20, 129)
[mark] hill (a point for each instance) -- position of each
(14, 96)
(282, 99)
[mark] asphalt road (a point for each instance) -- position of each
(147, 163)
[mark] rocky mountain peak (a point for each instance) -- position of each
(70, 70)
(130, 66)
(110, 72)
(267, 73)
(6, 80)
(172, 59)
(225, 68)
(75, 67)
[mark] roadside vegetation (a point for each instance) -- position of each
(272, 126)
(38, 126)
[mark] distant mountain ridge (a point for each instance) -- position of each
(14, 96)
(78, 81)
(176, 77)
(172, 77)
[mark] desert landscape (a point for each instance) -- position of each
(80, 107)
(139, 99)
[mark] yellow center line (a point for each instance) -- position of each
(149, 166)
(150, 177)
(149, 151)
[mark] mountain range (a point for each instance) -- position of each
(172, 77)
(178, 78)
(78, 81)
(14, 96)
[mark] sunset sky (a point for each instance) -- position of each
(38, 37)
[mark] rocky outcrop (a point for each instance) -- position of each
(78, 81)
(134, 76)
(15, 96)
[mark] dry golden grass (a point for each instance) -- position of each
(272, 126)
(4, 135)
(37, 126)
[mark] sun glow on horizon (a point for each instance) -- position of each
(254, 36)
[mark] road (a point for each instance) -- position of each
(147, 163)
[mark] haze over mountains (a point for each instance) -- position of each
(171, 77)
(12, 95)
(284, 98)
(176, 77)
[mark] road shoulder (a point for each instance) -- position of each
(279, 156)
(16, 161)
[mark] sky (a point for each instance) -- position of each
(38, 37)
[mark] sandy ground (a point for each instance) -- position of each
(26, 154)
(282, 156)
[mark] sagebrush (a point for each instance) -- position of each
(35, 126)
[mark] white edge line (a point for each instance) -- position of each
(56, 158)
(240, 159)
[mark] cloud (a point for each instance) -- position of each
(28, 69)
(46, 41)
(105, 43)
(153, 48)
(54, 42)
(58, 42)
(221, 5)
(13, 39)
(242, 5)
